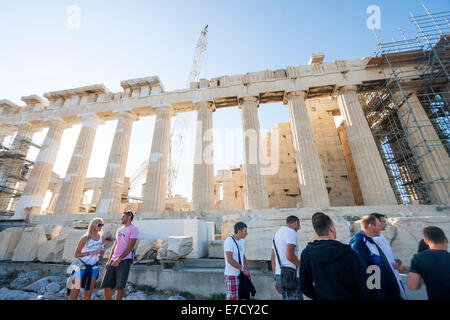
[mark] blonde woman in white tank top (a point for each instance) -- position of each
(90, 247)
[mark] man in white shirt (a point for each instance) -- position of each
(287, 246)
(384, 244)
(235, 260)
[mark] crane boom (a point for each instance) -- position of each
(184, 120)
(181, 125)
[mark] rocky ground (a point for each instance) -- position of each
(36, 285)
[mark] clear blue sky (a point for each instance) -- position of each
(120, 40)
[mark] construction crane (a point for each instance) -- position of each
(184, 120)
(179, 131)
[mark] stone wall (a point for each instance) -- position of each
(326, 137)
(55, 232)
(283, 186)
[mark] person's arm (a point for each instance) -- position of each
(290, 254)
(231, 261)
(272, 262)
(306, 281)
(274, 269)
(414, 281)
(111, 253)
(246, 268)
(78, 253)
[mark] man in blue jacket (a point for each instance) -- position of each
(371, 255)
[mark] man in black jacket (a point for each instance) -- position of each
(329, 269)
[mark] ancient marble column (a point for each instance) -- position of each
(23, 138)
(430, 152)
(111, 192)
(96, 196)
(203, 178)
(14, 169)
(33, 195)
(256, 195)
(20, 186)
(154, 193)
(5, 130)
(72, 188)
(312, 183)
(51, 205)
(372, 175)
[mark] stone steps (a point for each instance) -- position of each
(220, 264)
(203, 263)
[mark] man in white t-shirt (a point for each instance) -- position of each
(234, 262)
(384, 244)
(287, 246)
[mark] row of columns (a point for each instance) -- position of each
(33, 195)
(371, 172)
(372, 176)
(435, 168)
(12, 171)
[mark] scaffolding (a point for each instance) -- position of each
(393, 110)
(14, 170)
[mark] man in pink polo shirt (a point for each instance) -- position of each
(120, 259)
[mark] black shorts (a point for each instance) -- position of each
(116, 277)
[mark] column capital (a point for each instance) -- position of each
(167, 109)
(127, 114)
(242, 100)
(7, 129)
(291, 94)
(58, 123)
(91, 120)
(209, 104)
(347, 88)
(27, 126)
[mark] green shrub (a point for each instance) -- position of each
(218, 296)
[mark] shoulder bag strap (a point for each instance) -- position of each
(276, 251)
(239, 253)
(278, 256)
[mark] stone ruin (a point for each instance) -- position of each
(337, 168)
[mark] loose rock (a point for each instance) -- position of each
(24, 279)
(40, 285)
(139, 295)
(7, 294)
(53, 288)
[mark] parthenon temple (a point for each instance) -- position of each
(340, 166)
(364, 135)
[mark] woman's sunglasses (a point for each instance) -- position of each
(100, 225)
